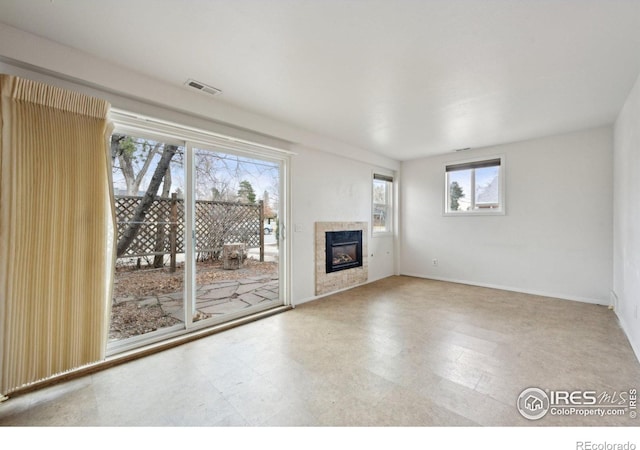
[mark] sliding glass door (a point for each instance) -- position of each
(148, 185)
(199, 238)
(235, 247)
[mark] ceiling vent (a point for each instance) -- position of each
(193, 84)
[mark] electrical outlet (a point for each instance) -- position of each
(435, 262)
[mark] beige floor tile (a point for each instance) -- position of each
(398, 352)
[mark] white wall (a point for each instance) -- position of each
(330, 180)
(626, 219)
(331, 189)
(555, 238)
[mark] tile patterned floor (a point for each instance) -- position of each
(398, 352)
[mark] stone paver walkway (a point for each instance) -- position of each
(221, 298)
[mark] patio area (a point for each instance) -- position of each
(150, 299)
(224, 297)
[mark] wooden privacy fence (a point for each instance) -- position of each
(216, 223)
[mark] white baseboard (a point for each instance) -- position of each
(514, 289)
(318, 297)
(472, 283)
(626, 327)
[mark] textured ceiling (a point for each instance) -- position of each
(403, 78)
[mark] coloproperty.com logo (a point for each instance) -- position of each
(535, 403)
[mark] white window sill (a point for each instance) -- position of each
(474, 213)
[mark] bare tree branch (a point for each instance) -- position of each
(142, 208)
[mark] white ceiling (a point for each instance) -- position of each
(403, 78)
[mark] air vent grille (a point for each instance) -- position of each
(192, 84)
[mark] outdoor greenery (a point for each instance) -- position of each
(246, 193)
(455, 193)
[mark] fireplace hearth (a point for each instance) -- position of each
(343, 250)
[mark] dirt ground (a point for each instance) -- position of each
(144, 282)
(130, 317)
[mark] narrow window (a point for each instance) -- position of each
(382, 213)
(475, 187)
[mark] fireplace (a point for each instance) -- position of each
(343, 250)
(332, 277)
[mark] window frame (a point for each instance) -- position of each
(176, 133)
(389, 227)
(476, 163)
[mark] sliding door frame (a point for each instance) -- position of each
(190, 138)
(190, 266)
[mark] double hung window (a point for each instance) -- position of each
(382, 214)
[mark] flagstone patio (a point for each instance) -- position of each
(148, 300)
(219, 298)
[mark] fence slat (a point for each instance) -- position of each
(216, 223)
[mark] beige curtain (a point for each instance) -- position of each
(56, 231)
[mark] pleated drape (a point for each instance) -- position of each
(56, 231)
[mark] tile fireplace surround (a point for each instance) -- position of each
(331, 282)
